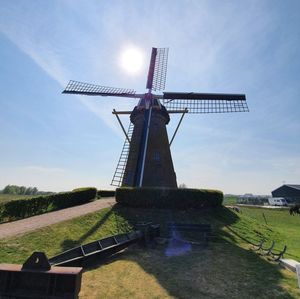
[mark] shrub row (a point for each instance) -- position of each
(22, 208)
(106, 193)
(169, 198)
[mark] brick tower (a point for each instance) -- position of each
(151, 166)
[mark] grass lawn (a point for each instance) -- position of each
(225, 269)
(286, 226)
(230, 200)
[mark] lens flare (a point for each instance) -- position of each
(177, 246)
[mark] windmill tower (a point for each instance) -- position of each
(146, 159)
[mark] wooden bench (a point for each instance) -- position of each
(201, 228)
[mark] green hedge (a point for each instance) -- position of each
(169, 198)
(106, 193)
(22, 208)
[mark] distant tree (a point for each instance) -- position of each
(10, 189)
(182, 186)
(6, 189)
(34, 190)
(28, 191)
(20, 190)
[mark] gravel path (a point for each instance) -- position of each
(32, 223)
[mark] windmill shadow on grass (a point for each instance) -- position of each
(129, 217)
(224, 270)
(70, 243)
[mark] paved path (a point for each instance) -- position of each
(32, 223)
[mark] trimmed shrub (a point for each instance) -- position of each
(22, 208)
(169, 198)
(106, 193)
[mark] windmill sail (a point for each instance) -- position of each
(158, 69)
(76, 87)
(205, 102)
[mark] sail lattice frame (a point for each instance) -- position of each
(77, 87)
(206, 106)
(160, 70)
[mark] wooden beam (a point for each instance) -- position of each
(178, 111)
(183, 113)
(114, 112)
(121, 112)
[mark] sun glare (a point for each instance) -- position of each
(132, 60)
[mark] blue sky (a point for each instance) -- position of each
(59, 142)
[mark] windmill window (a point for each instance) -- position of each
(156, 157)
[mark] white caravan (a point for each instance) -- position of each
(277, 201)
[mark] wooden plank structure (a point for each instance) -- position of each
(83, 254)
(37, 279)
(40, 278)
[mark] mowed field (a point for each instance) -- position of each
(227, 268)
(286, 226)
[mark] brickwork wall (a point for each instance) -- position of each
(159, 169)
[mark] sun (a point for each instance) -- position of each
(132, 60)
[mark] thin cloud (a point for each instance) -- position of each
(49, 59)
(43, 169)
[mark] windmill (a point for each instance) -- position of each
(146, 157)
